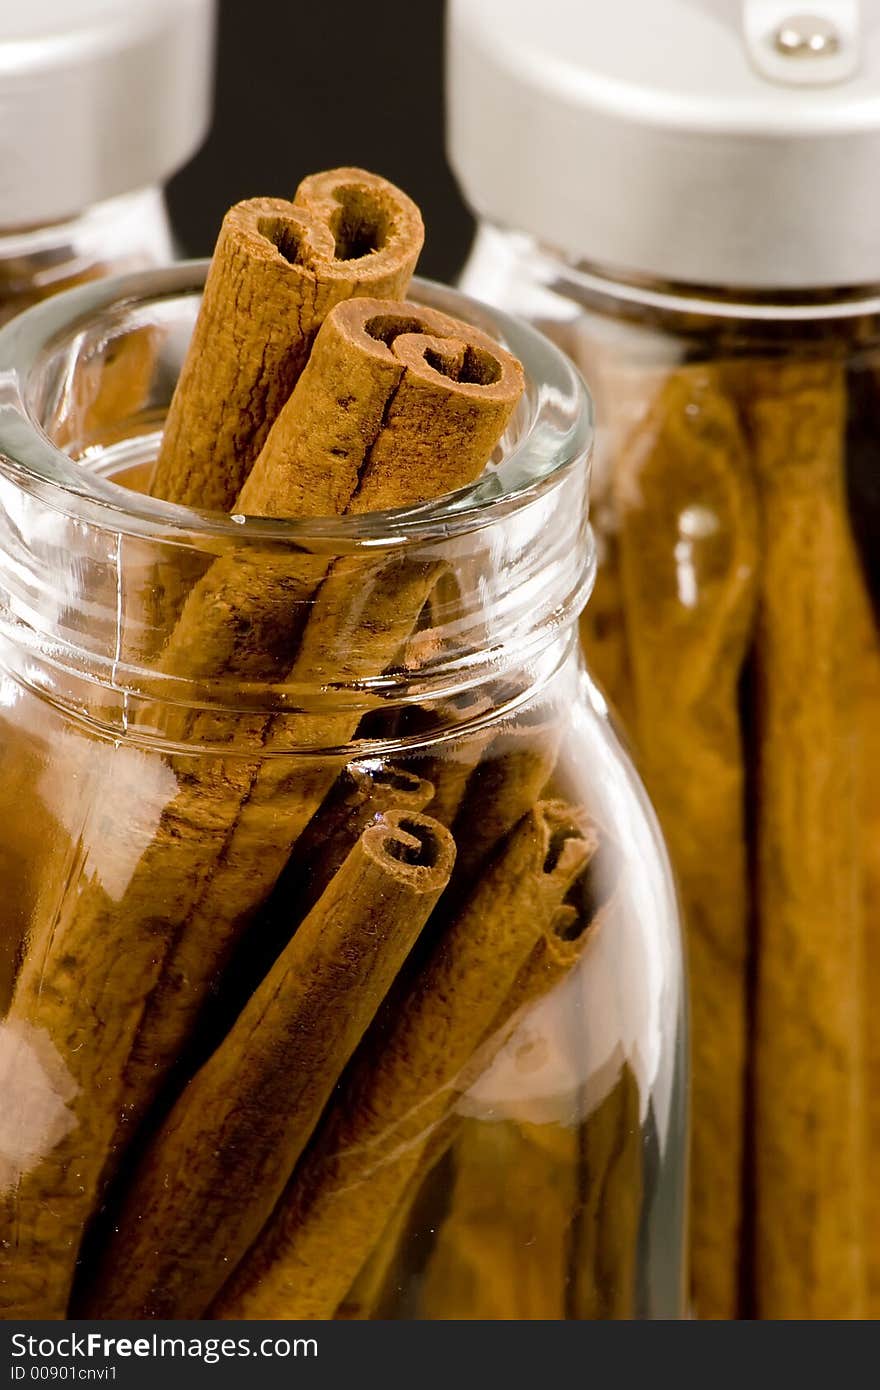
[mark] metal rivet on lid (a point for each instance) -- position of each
(807, 36)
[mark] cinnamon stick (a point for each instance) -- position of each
(605, 1239)
(460, 730)
(688, 551)
(383, 1269)
(363, 793)
(809, 1159)
(406, 1084)
(398, 404)
(277, 270)
(409, 431)
(504, 1251)
(505, 784)
(27, 841)
(212, 1176)
(197, 843)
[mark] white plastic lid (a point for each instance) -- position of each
(98, 98)
(714, 142)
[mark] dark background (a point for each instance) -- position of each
(306, 87)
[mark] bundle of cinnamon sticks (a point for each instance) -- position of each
(738, 637)
(261, 1002)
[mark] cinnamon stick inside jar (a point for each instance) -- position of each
(543, 1219)
(504, 1251)
(398, 404)
(406, 1080)
(362, 794)
(278, 269)
(213, 1174)
(408, 432)
(808, 1065)
(198, 846)
(504, 785)
(688, 551)
(605, 1238)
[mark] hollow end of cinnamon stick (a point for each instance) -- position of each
(417, 847)
(375, 229)
(397, 405)
(399, 781)
(277, 270)
(571, 837)
(579, 860)
(345, 224)
(436, 347)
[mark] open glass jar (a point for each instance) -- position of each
(353, 988)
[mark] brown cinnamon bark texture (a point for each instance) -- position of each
(407, 1080)
(362, 794)
(277, 270)
(27, 841)
(450, 765)
(406, 431)
(364, 1300)
(505, 1250)
(220, 1162)
(450, 773)
(867, 734)
(809, 1099)
(398, 404)
(507, 781)
(688, 554)
(869, 801)
(605, 1238)
(402, 404)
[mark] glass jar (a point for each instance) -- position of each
(457, 1089)
(721, 292)
(101, 104)
(126, 233)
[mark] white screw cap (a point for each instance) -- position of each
(98, 98)
(685, 140)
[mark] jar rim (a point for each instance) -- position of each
(765, 307)
(555, 438)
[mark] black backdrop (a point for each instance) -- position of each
(304, 85)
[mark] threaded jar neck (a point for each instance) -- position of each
(85, 380)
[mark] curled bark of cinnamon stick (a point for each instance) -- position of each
(409, 432)
(277, 270)
(220, 1162)
(688, 549)
(406, 1084)
(397, 404)
(362, 794)
(809, 1156)
(197, 844)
